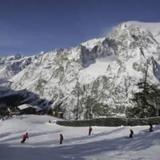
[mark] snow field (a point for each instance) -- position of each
(109, 143)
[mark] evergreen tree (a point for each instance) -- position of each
(147, 100)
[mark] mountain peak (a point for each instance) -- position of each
(153, 27)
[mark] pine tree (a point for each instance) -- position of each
(147, 100)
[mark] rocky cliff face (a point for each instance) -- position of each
(96, 78)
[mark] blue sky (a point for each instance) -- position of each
(31, 26)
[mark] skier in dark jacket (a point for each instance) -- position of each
(90, 131)
(24, 137)
(61, 139)
(150, 127)
(131, 133)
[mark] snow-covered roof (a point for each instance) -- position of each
(24, 106)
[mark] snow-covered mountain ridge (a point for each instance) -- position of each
(99, 76)
(11, 65)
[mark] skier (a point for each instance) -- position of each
(150, 127)
(24, 137)
(61, 139)
(90, 131)
(131, 133)
(49, 121)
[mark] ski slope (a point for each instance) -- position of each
(106, 143)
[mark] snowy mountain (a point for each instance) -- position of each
(96, 78)
(154, 28)
(12, 65)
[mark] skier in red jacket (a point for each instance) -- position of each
(24, 137)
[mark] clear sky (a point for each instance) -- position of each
(31, 26)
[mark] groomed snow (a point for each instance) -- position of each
(106, 143)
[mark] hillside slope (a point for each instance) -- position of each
(43, 142)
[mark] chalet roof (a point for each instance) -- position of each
(25, 106)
